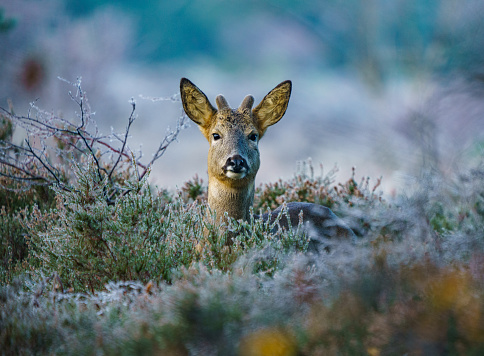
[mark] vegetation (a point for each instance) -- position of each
(143, 272)
(94, 260)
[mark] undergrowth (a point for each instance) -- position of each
(143, 236)
(146, 272)
(149, 275)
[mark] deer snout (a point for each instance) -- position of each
(236, 161)
(236, 167)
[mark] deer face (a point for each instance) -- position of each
(234, 134)
(233, 154)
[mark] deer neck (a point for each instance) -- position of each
(236, 201)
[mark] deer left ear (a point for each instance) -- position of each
(272, 108)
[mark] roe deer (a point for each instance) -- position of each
(233, 159)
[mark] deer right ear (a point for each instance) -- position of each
(195, 103)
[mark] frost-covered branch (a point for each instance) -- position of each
(54, 144)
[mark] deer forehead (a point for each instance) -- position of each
(232, 120)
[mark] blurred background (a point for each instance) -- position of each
(393, 88)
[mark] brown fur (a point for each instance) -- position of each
(233, 156)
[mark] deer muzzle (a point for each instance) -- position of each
(236, 167)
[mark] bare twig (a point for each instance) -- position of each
(167, 140)
(47, 166)
(121, 151)
(27, 165)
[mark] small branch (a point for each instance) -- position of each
(33, 177)
(130, 121)
(93, 155)
(35, 122)
(31, 150)
(119, 152)
(167, 140)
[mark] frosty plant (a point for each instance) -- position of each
(54, 143)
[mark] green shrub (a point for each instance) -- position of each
(89, 242)
(28, 171)
(15, 202)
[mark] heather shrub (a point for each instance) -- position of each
(142, 236)
(13, 247)
(304, 187)
(358, 204)
(14, 205)
(57, 155)
(15, 200)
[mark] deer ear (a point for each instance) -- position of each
(195, 103)
(272, 108)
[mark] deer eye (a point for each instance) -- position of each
(253, 137)
(216, 136)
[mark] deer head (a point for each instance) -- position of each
(233, 136)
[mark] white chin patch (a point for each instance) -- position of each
(233, 175)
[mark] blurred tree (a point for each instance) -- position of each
(378, 38)
(172, 29)
(6, 24)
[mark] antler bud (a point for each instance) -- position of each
(247, 102)
(221, 102)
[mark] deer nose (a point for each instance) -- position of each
(236, 163)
